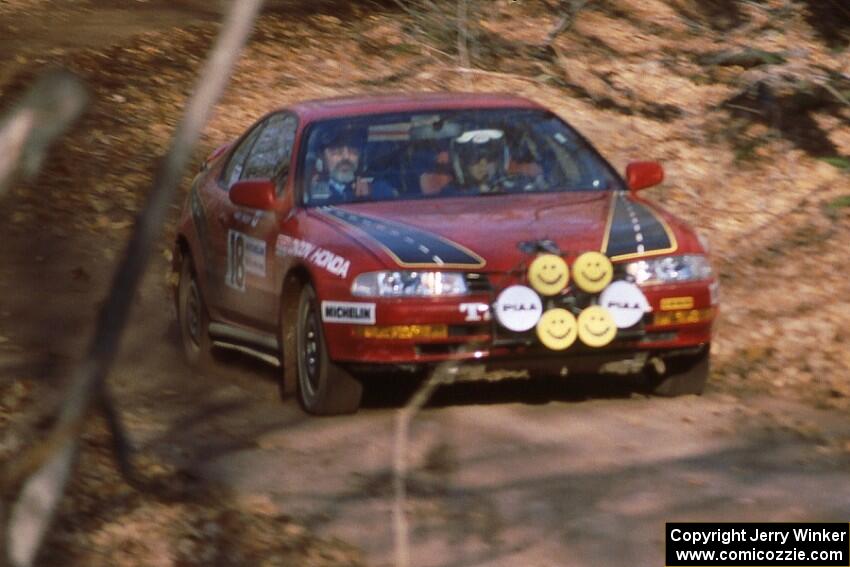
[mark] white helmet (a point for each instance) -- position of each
(473, 145)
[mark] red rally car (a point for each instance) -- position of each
(344, 236)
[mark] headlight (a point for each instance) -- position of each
(669, 269)
(409, 284)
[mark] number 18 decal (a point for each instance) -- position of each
(235, 276)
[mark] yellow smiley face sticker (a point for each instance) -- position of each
(548, 274)
(596, 326)
(557, 329)
(592, 271)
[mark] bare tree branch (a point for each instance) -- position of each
(570, 8)
(834, 92)
(121, 448)
(407, 10)
(44, 113)
(441, 375)
(31, 515)
(463, 41)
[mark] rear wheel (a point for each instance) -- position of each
(684, 375)
(323, 387)
(193, 319)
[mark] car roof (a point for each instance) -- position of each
(321, 109)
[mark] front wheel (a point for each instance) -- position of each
(323, 387)
(685, 375)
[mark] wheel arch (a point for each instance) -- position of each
(182, 246)
(181, 250)
(293, 282)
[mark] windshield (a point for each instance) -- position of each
(426, 155)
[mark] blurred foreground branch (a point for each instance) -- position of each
(44, 113)
(443, 374)
(33, 509)
(463, 40)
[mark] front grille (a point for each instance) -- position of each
(659, 336)
(478, 283)
(468, 330)
(437, 349)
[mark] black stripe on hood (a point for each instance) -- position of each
(410, 247)
(635, 230)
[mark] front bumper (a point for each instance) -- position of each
(472, 335)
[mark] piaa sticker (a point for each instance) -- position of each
(518, 308)
(626, 302)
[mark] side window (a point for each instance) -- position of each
(290, 125)
(273, 148)
(237, 159)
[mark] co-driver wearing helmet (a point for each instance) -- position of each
(479, 160)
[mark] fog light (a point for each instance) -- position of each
(682, 317)
(402, 332)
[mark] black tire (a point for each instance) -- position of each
(323, 387)
(193, 319)
(685, 375)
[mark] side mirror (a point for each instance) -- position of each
(643, 174)
(253, 193)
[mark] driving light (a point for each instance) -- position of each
(670, 269)
(409, 284)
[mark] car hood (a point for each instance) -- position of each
(485, 233)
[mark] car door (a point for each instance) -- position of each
(250, 285)
(216, 202)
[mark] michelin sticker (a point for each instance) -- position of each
(626, 303)
(316, 255)
(518, 308)
(348, 312)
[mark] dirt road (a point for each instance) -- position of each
(552, 483)
(574, 472)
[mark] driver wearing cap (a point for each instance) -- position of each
(338, 174)
(338, 166)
